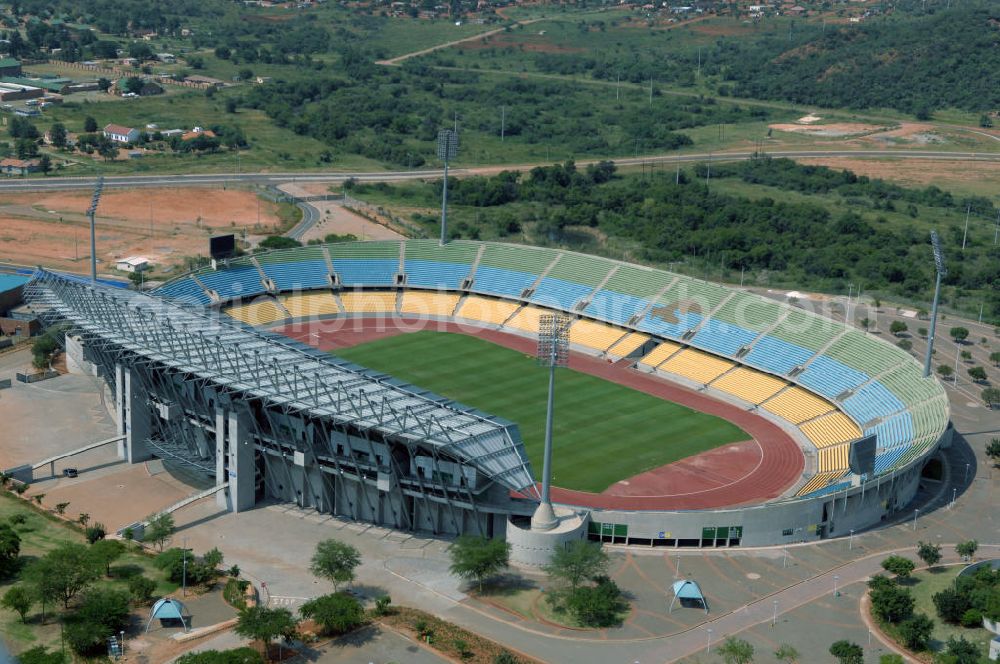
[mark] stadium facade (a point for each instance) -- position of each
(276, 418)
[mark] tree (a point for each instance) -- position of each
(335, 561)
(945, 371)
(967, 549)
(264, 624)
(61, 508)
(10, 549)
(600, 605)
(977, 374)
(57, 135)
(278, 242)
(337, 613)
(107, 148)
(19, 600)
(213, 558)
(929, 553)
(960, 651)
(159, 529)
(991, 397)
(847, 652)
(230, 105)
(891, 658)
(890, 603)
(105, 551)
(577, 562)
(478, 557)
(898, 565)
(63, 572)
(83, 519)
(41, 655)
(736, 651)
(95, 533)
(905, 344)
(995, 358)
(959, 334)
(786, 653)
(235, 656)
(951, 605)
(993, 450)
(916, 631)
(89, 125)
(103, 612)
(43, 351)
(141, 589)
(45, 164)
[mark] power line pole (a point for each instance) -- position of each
(965, 234)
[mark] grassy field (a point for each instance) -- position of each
(39, 534)
(603, 432)
(924, 586)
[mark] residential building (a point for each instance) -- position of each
(120, 134)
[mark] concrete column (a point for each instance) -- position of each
(120, 407)
(240, 464)
(221, 498)
(137, 420)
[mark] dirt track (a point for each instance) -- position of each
(738, 474)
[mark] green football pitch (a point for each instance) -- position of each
(603, 432)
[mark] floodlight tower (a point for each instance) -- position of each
(91, 211)
(942, 271)
(447, 149)
(553, 351)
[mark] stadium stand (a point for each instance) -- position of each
(310, 305)
(293, 269)
(871, 402)
(897, 430)
(371, 264)
(806, 330)
(628, 344)
(830, 430)
(627, 293)
(242, 281)
(559, 294)
(888, 458)
(669, 320)
(430, 265)
(829, 377)
(487, 310)
(528, 319)
(796, 405)
(749, 385)
(428, 304)
(368, 302)
(656, 356)
(908, 383)
(834, 458)
(822, 479)
(722, 337)
(696, 365)
(510, 270)
(777, 356)
(864, 353)
(572, 278)
(750, 312)
(263, 312)
(597, 336)
(185, 289)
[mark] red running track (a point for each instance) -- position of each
(749, 472)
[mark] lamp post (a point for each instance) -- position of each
(942, 272)
(915, 513)
(836, 578)
(91, 212)
(447, 149)
(774, 617)
(708, 648)
(553, 351)
(850, 544)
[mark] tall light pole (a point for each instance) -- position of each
(91, 211)
(553, 351)
(447, 149)
(942, 272)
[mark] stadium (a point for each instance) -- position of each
(691, 415)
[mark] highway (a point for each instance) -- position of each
(132, 181)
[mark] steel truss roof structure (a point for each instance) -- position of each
(282, 373)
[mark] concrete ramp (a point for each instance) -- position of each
(139, 526)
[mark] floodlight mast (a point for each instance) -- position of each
(553, 351)
(447, 149)
(91, 211)
(942, 271)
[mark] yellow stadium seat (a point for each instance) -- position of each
(833, 458)
(368, 302)
(310, 305)
(594, 335)
(263, 312)
(820, 480)
(796, 405)
(628, 344)
(696, 365)
(486, 310)
(528, 319)
(749, 385)
(830, 430)
(428, 304)
(660, 353)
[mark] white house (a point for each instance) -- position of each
(120, 134)
(132, 264)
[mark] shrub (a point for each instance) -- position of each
(141, 589)
(972, 618)
(235, 592)
(596, 606)
(951, 605)
(916, 631)
(235, 656)
(336, 613)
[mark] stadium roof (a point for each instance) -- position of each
(284, 373)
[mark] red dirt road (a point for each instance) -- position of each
(743, 473)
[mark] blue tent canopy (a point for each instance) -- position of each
(689, 593)
(168, 608)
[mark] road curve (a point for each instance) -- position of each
(132, 181)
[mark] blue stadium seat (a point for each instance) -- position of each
(366, 272)
(777, 356)
(615, 307)
(894, 431)
(502, 282)
(831, 488)
(237, 282)
(830, 377)
(553, 292)
(872, 401)
(722, 337)
(435, 274)
(185, 289)
(677, 328)
(298, 275)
